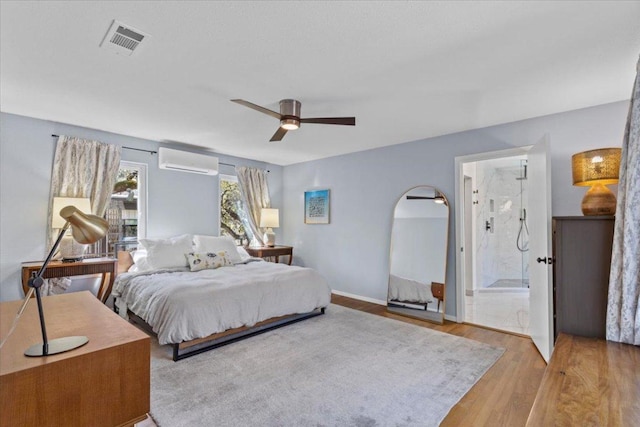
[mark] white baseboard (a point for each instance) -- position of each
(380, 302)
(359, 297)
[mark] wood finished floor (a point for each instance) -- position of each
(505, 394)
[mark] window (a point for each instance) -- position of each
(231, 212)
(126, 212)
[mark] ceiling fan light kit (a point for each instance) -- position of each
(290, 119)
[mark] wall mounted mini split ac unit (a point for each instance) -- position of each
(184, 161)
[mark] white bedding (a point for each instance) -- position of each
(181, 305)
(402, 289)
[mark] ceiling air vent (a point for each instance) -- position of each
(123, 39)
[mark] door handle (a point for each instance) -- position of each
(545, 260)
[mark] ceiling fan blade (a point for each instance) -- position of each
(348, 121)
(420, 198)
(280, 133)
(258, 108)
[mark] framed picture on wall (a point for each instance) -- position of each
(316, 207)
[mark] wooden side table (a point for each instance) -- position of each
(108, 267)
(104, 383)
(272, 251)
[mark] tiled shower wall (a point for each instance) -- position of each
(501, 196)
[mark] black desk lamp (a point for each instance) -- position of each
(85, 229)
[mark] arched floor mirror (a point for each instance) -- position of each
(418, 255)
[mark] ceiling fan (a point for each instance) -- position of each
(290, 119)
(438, 198)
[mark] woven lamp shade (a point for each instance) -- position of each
(596, 169)
(596, 166)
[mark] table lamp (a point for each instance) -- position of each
(597, 169)
(269, 219)
(85, 229)
(69, 249)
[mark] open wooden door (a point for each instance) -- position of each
(540, 268)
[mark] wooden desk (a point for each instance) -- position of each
(106, 382)
(274, 251)
(108, 267)
(589, 382)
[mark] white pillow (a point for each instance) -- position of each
(215, 244)
(244, 255)
(138, 254)
(139, 257)
(167, 253)
(141, 265)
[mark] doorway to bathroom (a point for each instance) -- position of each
(496, 239)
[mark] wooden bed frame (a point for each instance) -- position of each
(200, 345)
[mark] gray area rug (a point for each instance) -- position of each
(346, 368)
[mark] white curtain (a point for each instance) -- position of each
(81, 168)
(623, 310)
(255, 196)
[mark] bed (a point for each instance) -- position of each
(409, 292)
(196, 311)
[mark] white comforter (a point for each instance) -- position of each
(402, 289)
(181, 305)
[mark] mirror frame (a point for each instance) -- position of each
(410, 312)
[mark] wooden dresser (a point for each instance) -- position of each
(582, 259)
(106, 382)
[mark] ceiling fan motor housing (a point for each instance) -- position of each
(290, 110)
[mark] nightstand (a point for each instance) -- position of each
(273, 251)
(106, 266)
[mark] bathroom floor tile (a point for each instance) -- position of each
(508, 311)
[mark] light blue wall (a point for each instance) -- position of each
(352, 252)
(178, 202)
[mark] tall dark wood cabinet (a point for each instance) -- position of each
(582, 261)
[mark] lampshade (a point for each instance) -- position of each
(82, 204)
(269, 218)
(85, 229)
(597, 168)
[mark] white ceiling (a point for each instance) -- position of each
(406, 70)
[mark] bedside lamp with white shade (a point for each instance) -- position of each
(269, 219)
(69, 248)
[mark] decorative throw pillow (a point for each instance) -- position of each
(167, 253)
(215, 244)
(209, 260)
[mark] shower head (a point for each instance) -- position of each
(524, 175)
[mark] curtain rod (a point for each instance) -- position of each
(126, 148)
(151, 151)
